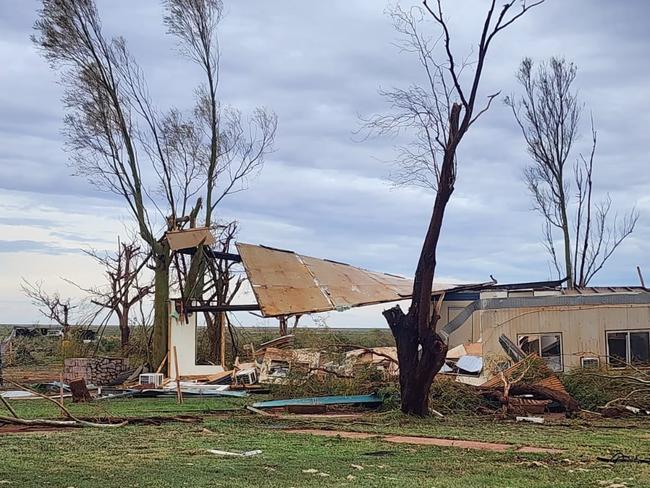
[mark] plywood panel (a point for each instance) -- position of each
(281, 282)
(347, 286)
(184, 239)
(286, 283)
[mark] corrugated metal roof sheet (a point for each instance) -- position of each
(287, 283)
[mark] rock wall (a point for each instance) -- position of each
(96, 371)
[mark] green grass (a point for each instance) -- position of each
(176, 454)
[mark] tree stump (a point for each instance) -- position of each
(79, 391)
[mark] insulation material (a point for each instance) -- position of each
(188, 238)
(286, 283)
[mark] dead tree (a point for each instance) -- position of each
(548, 114)
(126, 285)
(50, 305)
(439, 113)
(113, 128)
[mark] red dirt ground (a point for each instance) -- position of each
(426, 441)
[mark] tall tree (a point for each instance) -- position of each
(439, 113)
(548, 113)
(158, 162)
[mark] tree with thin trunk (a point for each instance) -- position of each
(126, 286)
(548, 114)
(51, 305)
(439, 114)
(158, 162)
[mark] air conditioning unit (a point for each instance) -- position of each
(590, 363)
(246, 377)
(154, 379)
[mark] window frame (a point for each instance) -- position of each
(539, 353)
(628, 348)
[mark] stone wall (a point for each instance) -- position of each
(96, 371)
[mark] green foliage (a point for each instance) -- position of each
(365, 380)
(593, 388)
(449, 396)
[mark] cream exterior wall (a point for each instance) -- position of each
(583, 328)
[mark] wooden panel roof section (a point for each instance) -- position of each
(281, 282)
(287, 283)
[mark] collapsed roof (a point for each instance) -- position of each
(287, 283)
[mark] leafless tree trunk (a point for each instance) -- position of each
(548, 114)
(439, 113)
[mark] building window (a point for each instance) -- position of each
(546, 346)
(629, 347)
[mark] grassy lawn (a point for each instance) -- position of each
(176, 454)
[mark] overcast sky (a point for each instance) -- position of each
(323, 192)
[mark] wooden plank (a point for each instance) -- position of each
(179, 393)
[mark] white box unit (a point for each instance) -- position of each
(589, 362)
(246, 377)
(154, 379)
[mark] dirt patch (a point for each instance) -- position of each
(29, 429)
(427, 441)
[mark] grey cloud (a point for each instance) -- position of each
(323, 191)
(40, 247)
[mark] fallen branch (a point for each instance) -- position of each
(626, 397)
(65, 411)
(9, 407)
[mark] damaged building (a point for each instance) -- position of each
(589, 327)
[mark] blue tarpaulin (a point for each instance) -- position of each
(327, 400)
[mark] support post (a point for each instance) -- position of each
(222, 339)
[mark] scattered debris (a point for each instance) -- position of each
(235, 454)
(534, 420)
(619, 457)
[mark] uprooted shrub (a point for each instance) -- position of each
(364, 380)
(449, 397)
(596, 388)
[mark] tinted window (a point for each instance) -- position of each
(640, 348)
(617, 347)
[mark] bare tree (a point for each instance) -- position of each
(548, 114)
(126, 284)
(113, 129)
(51, 305)
(439, 113)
